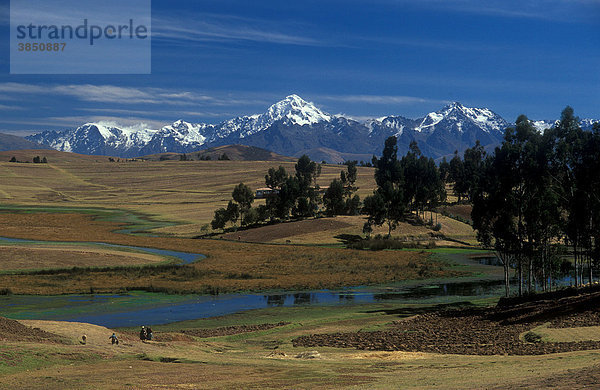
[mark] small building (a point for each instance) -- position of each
(263, 193)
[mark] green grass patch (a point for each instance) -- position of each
(15, 359)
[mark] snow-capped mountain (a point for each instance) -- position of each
(588, 124)
(293, 127)
(541, 125)
(96, 139)
(455, 117)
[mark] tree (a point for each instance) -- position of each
(243, 196)
(275, 178)
(444, 170)
(37, 160)
(13, 159)
(387, 204)
(307, 200)
(472, 165)
(224, 157)
(333, 199)
(233, 211)
(339, 198)
(220, 219)
(456, 174)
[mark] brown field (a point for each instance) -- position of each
(187, 192)
(18, 257)
(229, 266)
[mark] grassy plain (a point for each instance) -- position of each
(180, 195)
(267, 359)
(186, 192)
(229, 266)
(22, 257)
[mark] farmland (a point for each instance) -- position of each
(186, 192)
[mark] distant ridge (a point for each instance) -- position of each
(292, 127)
(13, 142)
(233, 152)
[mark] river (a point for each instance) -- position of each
(138, 308)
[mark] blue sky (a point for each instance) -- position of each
(216, 59)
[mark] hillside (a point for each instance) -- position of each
(53, 156)
(233, 152)
(12, 142)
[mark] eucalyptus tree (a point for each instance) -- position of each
(387, 204)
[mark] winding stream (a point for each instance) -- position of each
(139, 308)
(186, 258)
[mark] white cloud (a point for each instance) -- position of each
(126, 95)
(221, 28)
(378, 99)
(569, 11)
(10, 108)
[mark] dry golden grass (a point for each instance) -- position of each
(325, 230)
(245, 362)
(230, 266)
(186, 192)
(565, 335)
(16, 257)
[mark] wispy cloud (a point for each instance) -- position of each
(123, 95)
(222, 28)
(10, 108)
(378, 99)
(75, 121)
(570, 11)
(107, 120)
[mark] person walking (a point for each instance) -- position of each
(143, 333)
(114, 339)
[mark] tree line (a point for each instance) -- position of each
(412, 184)
(36, 160)
(292, 196)
(535, 200)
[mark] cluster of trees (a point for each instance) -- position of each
(464, 173)
(36, 160)
(340, 198)
(292, 196)
(536, 197)
(413, 183)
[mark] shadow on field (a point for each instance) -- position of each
(411, 311)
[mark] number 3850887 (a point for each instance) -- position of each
(42, 46)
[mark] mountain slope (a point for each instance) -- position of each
(12, 142)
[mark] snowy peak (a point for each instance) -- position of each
(184, 132)
(458, 116)
(293, 110)
(393, 124)
(297, 111)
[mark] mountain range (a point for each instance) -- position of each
(294, 127)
